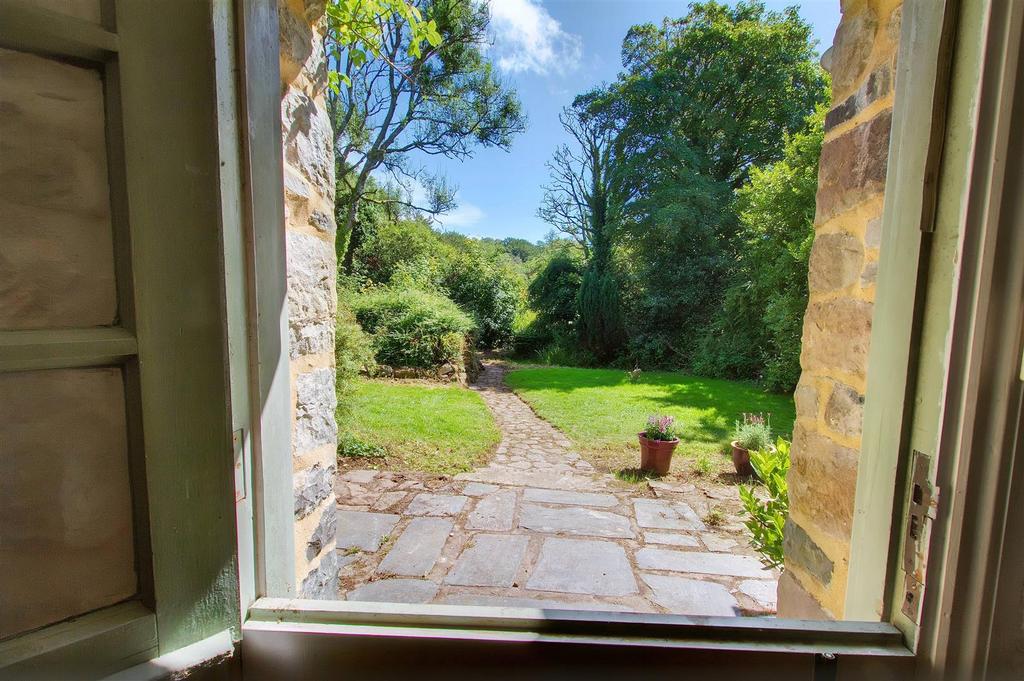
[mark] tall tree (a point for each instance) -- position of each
(582, 202)
(441, 98)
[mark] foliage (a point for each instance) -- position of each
(487, 287)
(413, 328)
(352, 446)
(601, 329)
(402, 97)
(753, 433)
(714, 517)
(768, 518)
(442, 429)
(358, 27)
(599, 408)
(353, 351)
(702, 464)
(661, 428)
(702, 100)
(757, 330)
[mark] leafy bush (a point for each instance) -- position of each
(660, 428)
(353, 351)
(553, 291)
(489, 289)
(753, 433)
(766, 519)
(413, 328)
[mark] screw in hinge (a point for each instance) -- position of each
(826, 667)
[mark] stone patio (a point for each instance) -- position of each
(539, 527)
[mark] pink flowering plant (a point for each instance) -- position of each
(661, 428)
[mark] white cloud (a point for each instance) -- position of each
(528, 39)
(465, 215)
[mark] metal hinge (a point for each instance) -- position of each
(826, 667)
(922, 508)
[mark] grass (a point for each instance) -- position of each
(602, 411)
(436, 428)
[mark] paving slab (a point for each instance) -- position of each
(666, 515)
(701, 563)
(363, 530)
(476, 489)
(574, 520)
(394, 591)
(762, 591)
(419, 547)
(387, 500)
(671, 539)
(491, 560)
(582, 566)
(569, 498)
(426, 503)
(718, 543)
(362, 477)
(533, 603)
(684, 596)
(494, 511)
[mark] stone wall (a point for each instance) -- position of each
(837, 326)
(310, 232)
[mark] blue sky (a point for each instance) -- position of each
(550, 50)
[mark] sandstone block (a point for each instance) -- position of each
(311, 272)
(835, 263)
(853, 167)
(852, 46)
(836, 336)
(844, 411)
(801, 550)
(822, 481)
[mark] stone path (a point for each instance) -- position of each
(538, 527)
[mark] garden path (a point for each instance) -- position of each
(538, 527)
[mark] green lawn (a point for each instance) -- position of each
(417, 426)
(602, 410)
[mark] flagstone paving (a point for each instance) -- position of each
(538, 527)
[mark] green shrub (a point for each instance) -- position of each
(767, 519)
(353, 352)
(412, 328)
(753, 433)
(488, 288)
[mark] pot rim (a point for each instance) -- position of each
(668, 442)
(771, 448)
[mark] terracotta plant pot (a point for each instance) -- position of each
(741, 460)
(656, 455)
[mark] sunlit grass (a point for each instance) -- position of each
(444, 429)
(602, 410)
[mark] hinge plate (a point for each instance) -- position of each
(920, 509)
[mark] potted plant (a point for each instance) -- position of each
(753, 434)
(657, 442)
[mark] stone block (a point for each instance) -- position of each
(312, 486)
(683, 596)
(308, 141)
(394, 591)
(853, 167)
(852, 46)
(873, 233)
(671, 539)
(324, 533)
(806, 398)
(574, 520)
(795, 602)
(494, 511)
(877, 86)
(363, 530)
(322, 581)
(835, 263)
(315, 403)
(594, 567)
(801, 550)
(490, 560)
(844, 411)
(666, 515)
(311, 265)
(569, 498)
(822, 481)
(836, 336)
(701, 563)
(426, 503)
(761, 590)
(417, 549)
(313, 338)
